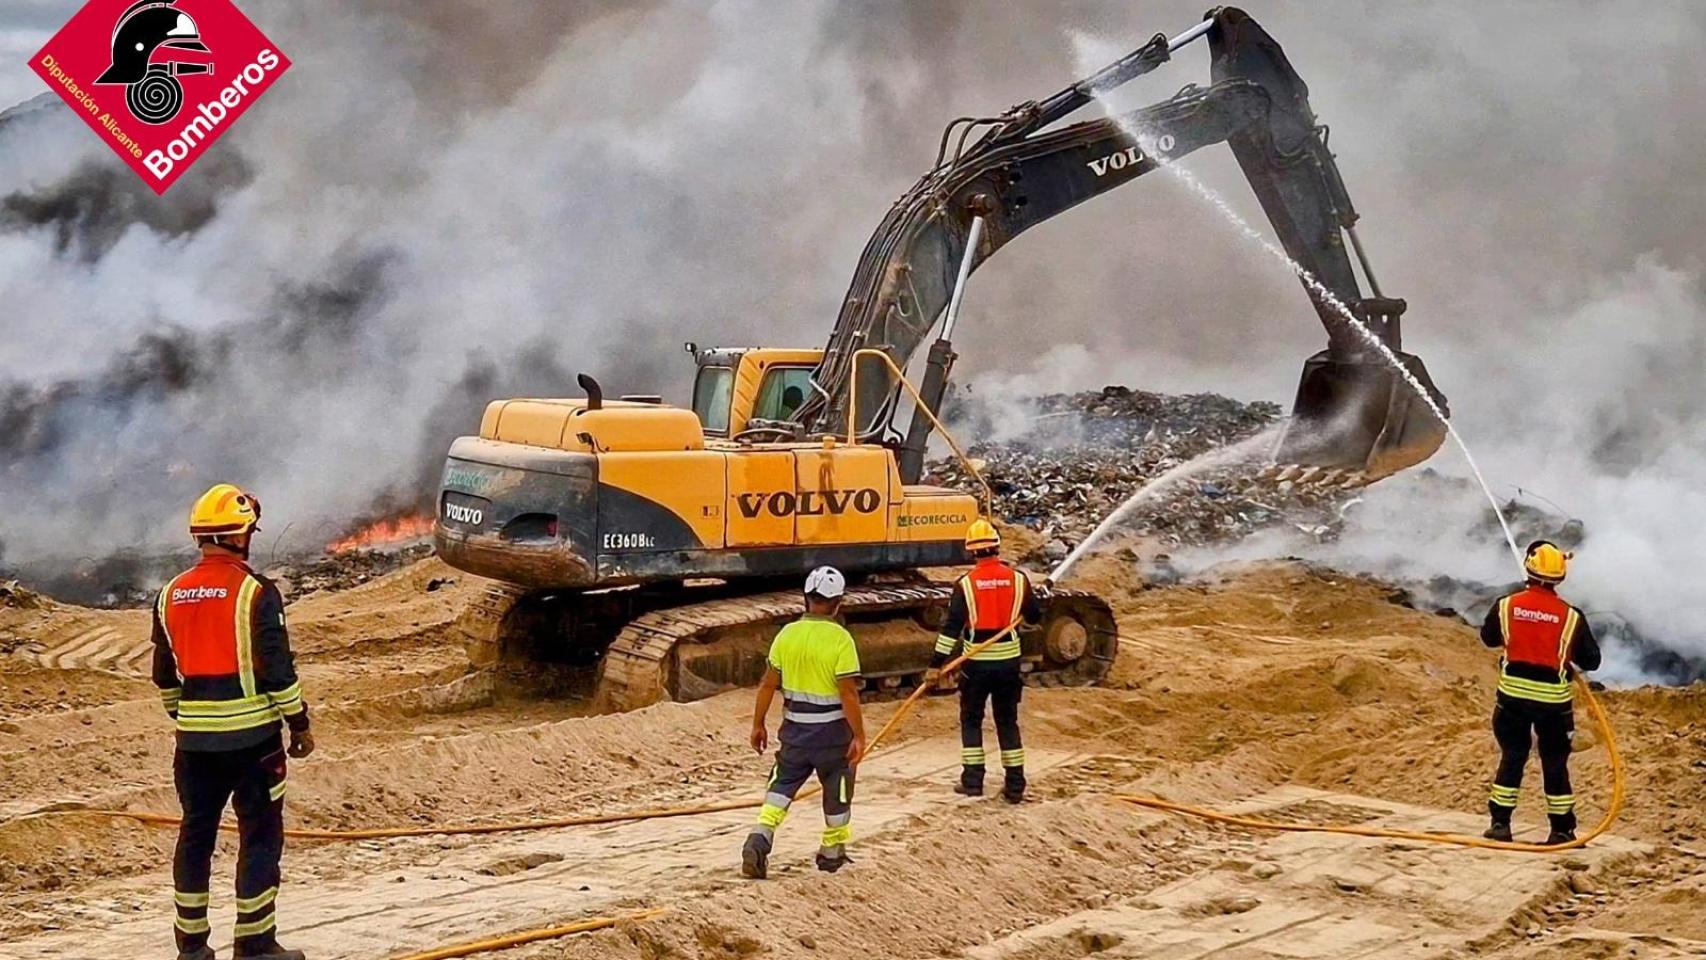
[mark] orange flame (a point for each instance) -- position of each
(384, 533)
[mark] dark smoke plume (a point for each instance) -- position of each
(90, 210)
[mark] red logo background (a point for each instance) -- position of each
(244, 65)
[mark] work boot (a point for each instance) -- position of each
(1013, 790)
(965, 789)
(1563, 828)
(1498, 831)
(831, 863)
(755, 857)
(205, 953)
(271, 951)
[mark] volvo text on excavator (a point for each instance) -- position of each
(660, 546)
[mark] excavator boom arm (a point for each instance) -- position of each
(1019, 174)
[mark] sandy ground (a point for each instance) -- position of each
(1298, 693)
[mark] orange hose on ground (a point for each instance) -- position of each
(391, 833)
(1619, 787)
(1618, 791)
(530, 936)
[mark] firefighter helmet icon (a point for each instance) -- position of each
(152, 91)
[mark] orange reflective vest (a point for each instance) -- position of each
(993, 595)
(221, 658)
(1538, 626)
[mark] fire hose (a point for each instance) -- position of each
(585, 820)
(598, 923)
(531, 936)
(1619, 788)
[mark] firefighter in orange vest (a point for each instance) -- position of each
(991, 597)
(223, 664)
(1542, 637)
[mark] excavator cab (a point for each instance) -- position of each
(752, 393)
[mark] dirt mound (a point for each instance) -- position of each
(1299, 690)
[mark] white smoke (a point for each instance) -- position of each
(1580, 374)
(403, 245)
(445, 203)
(1607, 421)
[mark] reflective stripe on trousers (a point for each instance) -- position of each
(793, 767)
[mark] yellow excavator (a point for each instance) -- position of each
(656, 548)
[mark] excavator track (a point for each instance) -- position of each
(483, 622)
(695, 651)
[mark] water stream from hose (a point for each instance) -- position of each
(1202, 190)
(1247, 449)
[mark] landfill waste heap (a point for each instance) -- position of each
(1084, 454)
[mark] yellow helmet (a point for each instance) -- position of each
(1545, 562)
(224, 509)
(982, 535)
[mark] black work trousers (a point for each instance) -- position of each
(252, 780)
(1519, 725)
(998, 685)
(794, 766)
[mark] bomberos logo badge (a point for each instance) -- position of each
(160, 80)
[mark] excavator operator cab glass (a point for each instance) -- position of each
(783, 391)
(712, 392)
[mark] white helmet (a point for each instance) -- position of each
(826, 582)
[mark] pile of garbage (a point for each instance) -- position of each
(1074, 458)
(16, 596)
(125, 578)
(129, 579)
(341, 571)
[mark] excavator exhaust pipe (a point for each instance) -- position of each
(1360, 414)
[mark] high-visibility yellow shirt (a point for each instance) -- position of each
(813, 654)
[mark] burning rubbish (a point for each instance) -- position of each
(382, 533)
(128, 578)
(348, 568)
(17, 596)
(1087, 453)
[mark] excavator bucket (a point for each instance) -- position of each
(1362, 415)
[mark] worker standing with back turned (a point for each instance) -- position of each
(815, 663)
(1542, 635)
(223, 664)
(987, 600)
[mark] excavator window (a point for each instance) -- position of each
(782, 392)
(712, 392)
